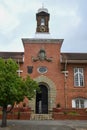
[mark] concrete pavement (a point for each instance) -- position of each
(46, 125)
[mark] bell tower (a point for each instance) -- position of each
(42, 18)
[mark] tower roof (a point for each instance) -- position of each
(42, 10)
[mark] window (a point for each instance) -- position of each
(78, 77)
(42, 69)
(79, 103)
(42, 21)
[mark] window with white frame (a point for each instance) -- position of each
(78, 77)
(79, 103)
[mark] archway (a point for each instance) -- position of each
(44, 80)
(42, 100)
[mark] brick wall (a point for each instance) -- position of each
(18, 113)
(54, 67)
(69, 114)
(54, 71)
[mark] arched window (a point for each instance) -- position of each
(79, 103)
(42, 21)
(78, 77)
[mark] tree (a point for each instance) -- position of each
(12, 87)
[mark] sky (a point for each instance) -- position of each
(68, 21)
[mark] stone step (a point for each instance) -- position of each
(41, 117)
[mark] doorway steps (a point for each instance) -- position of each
(41, 117)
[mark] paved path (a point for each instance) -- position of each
(46, 125)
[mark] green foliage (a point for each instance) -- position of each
(73, 113)
(30, 87)
(12, 87)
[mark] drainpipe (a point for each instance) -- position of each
(65, 83)
(18, 68)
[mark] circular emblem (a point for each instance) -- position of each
(42, 69)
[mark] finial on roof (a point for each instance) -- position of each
(42, 5)
(43, 9)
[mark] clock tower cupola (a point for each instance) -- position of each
(42, 18)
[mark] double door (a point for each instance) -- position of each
(42, 100)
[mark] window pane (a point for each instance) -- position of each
(79, 103)
(82, 103)
(81, 70)
(81, 80)
(76, 80)
(75, 70)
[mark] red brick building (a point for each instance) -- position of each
(62, 77)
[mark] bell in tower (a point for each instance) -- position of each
(42, 18)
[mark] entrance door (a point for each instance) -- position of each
(42, 100)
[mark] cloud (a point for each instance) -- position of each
(21, 6)
(11, 11)
(67, 20)
(7, 21)
(15, 45)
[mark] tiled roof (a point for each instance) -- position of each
(18, 56)
(74, 57)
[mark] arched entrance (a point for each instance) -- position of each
(42, 100)
(51, 87)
